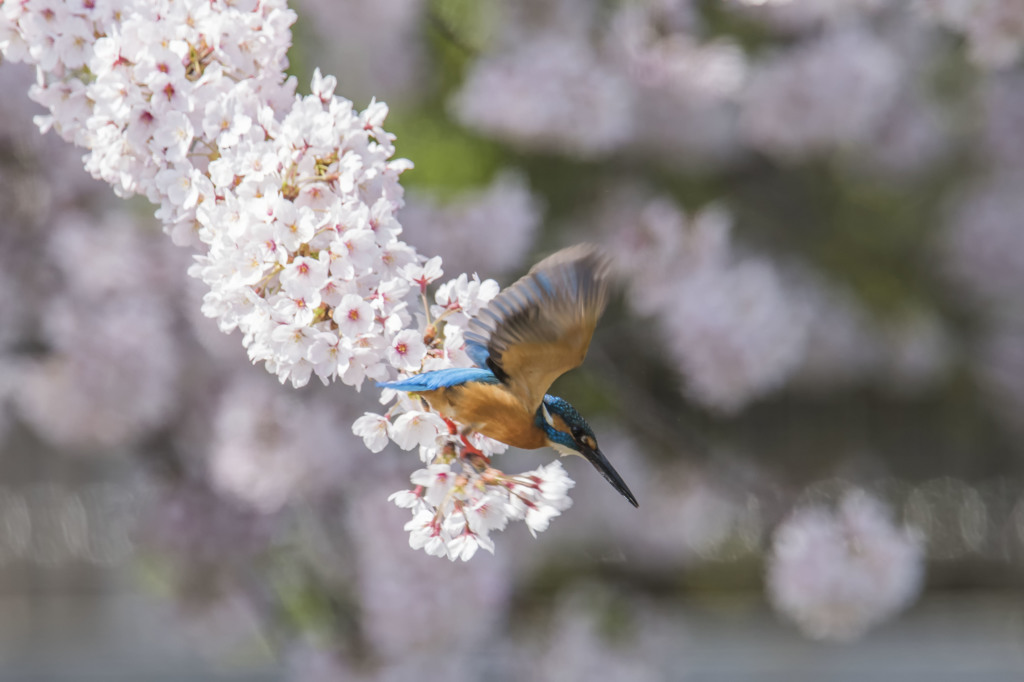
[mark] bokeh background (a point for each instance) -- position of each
(811, 375)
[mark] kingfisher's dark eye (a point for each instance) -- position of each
(588, 442)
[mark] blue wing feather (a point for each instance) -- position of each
(442, 378)
(478, 353)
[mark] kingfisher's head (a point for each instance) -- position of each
(568, 433)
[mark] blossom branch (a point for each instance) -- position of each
(293, 215)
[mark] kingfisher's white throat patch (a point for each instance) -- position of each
(563, 450)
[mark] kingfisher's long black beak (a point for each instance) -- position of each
(601, 463)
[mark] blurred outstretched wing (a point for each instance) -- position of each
(540, 327)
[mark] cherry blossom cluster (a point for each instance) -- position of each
(535, 95)
(454, 512)
(112, 369)
(304, 256)
(271, 447)
(152, 89)
(459, 498)
(295, 212)
(839, 572)
(840, 102)
(994, 29)
(729, 318)
(178, 101)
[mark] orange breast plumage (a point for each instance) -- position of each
(490, 409)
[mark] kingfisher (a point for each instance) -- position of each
(527, 336)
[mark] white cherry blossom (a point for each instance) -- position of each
(373, 429)
(415, 429)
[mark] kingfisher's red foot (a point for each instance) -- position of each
(479, 461)
(472, 453)
(452, 428)
(469, 446)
